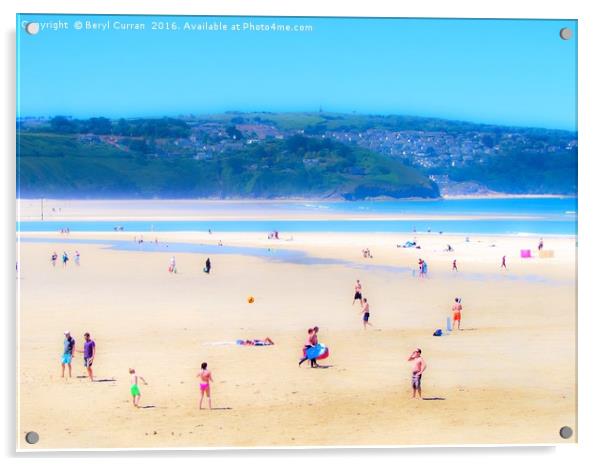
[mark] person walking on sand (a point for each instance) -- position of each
(418, 367)
(172, 265)
(68, 348)
(53, 258)
(454, 266)
(65, 258)
(134, 389)
(540, 245)
(457, 312)
(366, 311)
(308, 344)
(503, 266)
(358, 292)
(207, 268)
(76, 257)
(314, 342)
(206, 379)
(89, 354)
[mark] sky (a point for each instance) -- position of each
(507, 72)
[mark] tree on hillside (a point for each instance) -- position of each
(61, 124)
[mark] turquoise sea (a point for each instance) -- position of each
(532, 216)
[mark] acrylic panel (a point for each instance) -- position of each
(295, 231)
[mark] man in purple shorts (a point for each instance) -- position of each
(89, 354)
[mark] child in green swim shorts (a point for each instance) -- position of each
(134, 389)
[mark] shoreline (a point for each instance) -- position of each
(282, 210)
(419, 234)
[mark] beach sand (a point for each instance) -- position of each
(509, 377)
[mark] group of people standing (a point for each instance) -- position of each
(64, 258)
(89, 353)
(88, 350)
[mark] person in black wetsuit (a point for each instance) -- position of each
(207, 268)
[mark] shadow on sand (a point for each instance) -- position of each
(434, 398)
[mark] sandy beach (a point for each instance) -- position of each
(508, 377)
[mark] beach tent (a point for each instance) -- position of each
(525, 253)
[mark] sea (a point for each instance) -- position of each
(494, 216)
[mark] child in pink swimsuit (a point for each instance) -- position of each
(206, 378)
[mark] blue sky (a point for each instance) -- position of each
(515, 72)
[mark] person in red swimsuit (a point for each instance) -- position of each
(457, 310)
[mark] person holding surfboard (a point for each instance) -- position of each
(312, 341)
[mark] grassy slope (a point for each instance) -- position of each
(60, 165)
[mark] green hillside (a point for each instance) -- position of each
(66, 165)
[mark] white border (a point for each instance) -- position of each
(589, 227)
